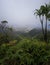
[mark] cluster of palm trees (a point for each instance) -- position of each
(44, 11)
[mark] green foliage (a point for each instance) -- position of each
(26, 52)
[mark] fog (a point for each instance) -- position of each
(20, 13)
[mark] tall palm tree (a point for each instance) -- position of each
(45, 11)
(39, 13)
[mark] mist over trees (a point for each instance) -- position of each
(26, 48)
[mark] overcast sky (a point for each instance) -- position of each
(19, 13)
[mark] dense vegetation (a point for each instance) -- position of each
(21, 48)
(25, 52)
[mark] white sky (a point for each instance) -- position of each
(19, 13)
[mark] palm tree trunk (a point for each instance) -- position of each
(42, 29)
(42, 26)
(46, 31)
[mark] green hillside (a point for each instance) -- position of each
(25, 52)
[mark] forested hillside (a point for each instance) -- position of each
(26, 47)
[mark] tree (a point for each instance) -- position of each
(45, 11)
(5, 32)
(3, 28)
(39, 13)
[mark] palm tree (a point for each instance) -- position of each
(44, 10)
(39, 13)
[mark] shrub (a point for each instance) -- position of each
(26, 52)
